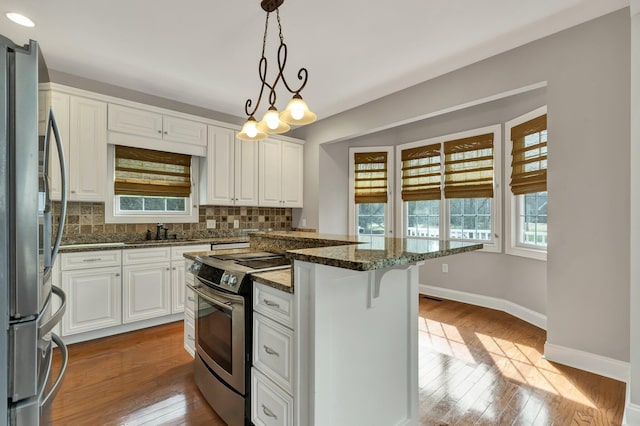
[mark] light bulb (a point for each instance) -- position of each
(251, 129)
(297, 110)
(272, 119)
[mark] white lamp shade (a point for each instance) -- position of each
(297, 112)
(250, 131)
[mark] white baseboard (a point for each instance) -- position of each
(631, 414)
(525, 314)
(587, 361)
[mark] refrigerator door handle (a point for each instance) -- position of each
(45, 328)
(63, 368)
(53, 124)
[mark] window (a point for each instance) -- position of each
(526, 209)
(448, 187)
(369, 213)
(150, 186)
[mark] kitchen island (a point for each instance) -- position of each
(335, 338)
(355, 324)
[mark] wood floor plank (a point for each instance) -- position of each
(477, 366)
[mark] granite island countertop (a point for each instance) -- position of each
(349, 252)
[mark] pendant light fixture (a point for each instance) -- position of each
(297, 112)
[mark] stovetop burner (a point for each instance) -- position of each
(231, 272)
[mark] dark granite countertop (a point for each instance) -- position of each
(114, 245)
(350, 253)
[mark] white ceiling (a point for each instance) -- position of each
(206, 53)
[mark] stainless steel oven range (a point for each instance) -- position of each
(224, 329)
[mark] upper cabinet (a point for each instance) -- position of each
(155, 126)
(87, 149)
(280, 173)
(83, 129)
(229, 173)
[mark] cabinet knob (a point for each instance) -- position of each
(168, 269)
(174, 268)
(160, 131)
(73, 191)
(117, 275)
(166, 133)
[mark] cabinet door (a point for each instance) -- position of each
(246, 173)
(135, 121)
(217, 174)
(87, 149)
(185, 131)
(292, 175)
(59, 103)
(270, 170)
(146, 291)
(93, 299)
(177, 286)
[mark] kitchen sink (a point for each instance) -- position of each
(156, 242)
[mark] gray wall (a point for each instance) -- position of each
(522, 281)
(587, 70)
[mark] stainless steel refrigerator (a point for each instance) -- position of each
(28, 248)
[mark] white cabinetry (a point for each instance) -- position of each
(92, 283)
(82, 124)
(274, 357)
(178, 274)
(281, 176)
(146, 286)
(150, 124)
(229, 173)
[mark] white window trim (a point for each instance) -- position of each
(110, 215)
(495, 246)
(511, 221)
(389, 210)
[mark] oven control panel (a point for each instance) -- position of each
(218, 278)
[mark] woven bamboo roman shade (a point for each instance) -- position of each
(145, 172)
(370, 177)
(529, 156)
(469, 167)
(421, 173)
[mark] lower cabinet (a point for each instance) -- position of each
(274, 357)
(146, 291)
(111, 291)
(93, 284)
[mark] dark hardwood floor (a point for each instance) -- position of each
(477, 366)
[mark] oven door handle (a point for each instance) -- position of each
(209, 298)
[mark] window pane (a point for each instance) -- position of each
(154, 204)
(176, 204)
(423, 219)
(532, 213)
(470, 219)
(131, 203)
(371, 218)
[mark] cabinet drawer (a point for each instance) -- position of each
(190, 301)
(273, 351)
(273, 303)
(270, 405)
(146, 255)
(189, 333)
(90, 259)
(177, 252)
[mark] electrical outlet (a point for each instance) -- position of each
(445, 267)
(211, 223)
(304, 222)
(236, 223)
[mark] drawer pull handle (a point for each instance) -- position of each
(268, 412)
(270, 351)
(272, 304)
(191, 338)
(191, 299)
(94, 259)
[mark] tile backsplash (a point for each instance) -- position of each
(86, 221)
